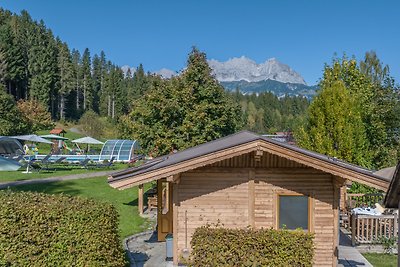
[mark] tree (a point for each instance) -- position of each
(11, 120)
(76, 59)
(87, 81)
(182, 112)
(43, 68)
(91, 124)
(66, 82)
(35, 115)
(335, 127)
(376, 100)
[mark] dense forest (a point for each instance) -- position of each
(36, 65)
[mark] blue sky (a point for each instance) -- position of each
(304, 34)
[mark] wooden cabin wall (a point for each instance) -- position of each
(241, 191)
(318, 186)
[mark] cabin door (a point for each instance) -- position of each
(164, 209)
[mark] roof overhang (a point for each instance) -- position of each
(136, 176)
(392, 197)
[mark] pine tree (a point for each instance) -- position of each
(66, 79)
(43, 68)
(87, 81)
(76, 65)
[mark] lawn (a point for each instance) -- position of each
(124, 201)
(9, 176)
(381, 260)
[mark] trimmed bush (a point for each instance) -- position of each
(57, 230)
(248, 247)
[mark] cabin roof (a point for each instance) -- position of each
(57, 131)
(392, 197)
(234, 145)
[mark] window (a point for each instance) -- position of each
(293, 212)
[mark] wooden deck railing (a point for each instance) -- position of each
(368, 229)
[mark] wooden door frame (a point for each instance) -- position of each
(169, 214)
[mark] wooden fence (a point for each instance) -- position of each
(368, 229)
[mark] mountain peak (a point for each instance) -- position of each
(245, 69)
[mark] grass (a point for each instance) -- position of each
(10, 176)
(381, 260)
(124, 201)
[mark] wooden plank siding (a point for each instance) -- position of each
(242, 191)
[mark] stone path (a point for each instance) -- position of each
(349, 256)
(146, 251)
(56, 178)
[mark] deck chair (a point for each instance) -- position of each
(58, 162)
(106, 164)
(28, 165)
(84, 163)
(45, 162)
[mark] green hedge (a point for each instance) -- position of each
(247, 247)
(57, 230)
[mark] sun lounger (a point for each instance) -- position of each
(84, 163)
(106, 164)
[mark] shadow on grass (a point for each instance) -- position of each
(133, 203)
(66, 188)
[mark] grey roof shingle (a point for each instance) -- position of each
(233, 140)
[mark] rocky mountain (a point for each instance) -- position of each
(278, 88)
(245, 69)
(249, 77)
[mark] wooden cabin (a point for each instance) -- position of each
(248, 180)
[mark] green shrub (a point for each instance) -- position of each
(248, 247)
(57, 230)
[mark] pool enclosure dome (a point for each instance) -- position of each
(9, 146)
(121, 150)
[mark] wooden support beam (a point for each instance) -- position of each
(251, 193)
(174, 178)
(337, 182)
(175, 229)
(140, 199)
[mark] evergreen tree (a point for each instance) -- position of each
(76, 67)
(43, 68)
(66, 79)
(184, 111)
(87, 81)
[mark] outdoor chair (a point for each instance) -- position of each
(84, 163)
(29, 165)
(59, 160)
(45, 162)
(106, 164)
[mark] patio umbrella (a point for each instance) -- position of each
(32, 138)
(88, 141)
(54, 137)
